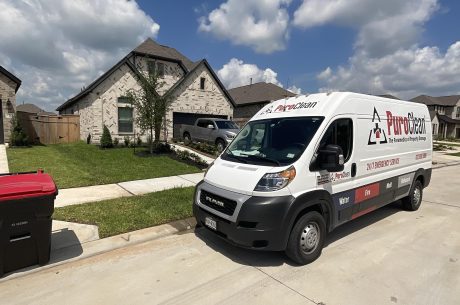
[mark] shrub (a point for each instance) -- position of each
(116, 141)
(106, 139)
(139, 141)
(204, 147)
(126, 141)
(88, 139)
(162, 147)
(18, 136)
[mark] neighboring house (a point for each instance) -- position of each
(194, 88)
(9, 85)
(32, 109)
(389, 96)
(251, 98)
(444, 113)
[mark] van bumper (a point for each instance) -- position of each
(260, 223)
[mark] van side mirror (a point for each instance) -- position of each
(331, 158)
(210, 126)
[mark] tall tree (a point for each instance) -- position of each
(150, 107)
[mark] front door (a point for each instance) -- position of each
(2, 135)
(341, 184)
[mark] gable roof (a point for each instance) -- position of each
(12, 77)
(449, 100)
(29, 108)
(98, 81)
(213, 74)
(152, 49)
(258, 93)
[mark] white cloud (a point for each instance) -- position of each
(261, 25)
(236, 73)
(61, 46)
(405, 73)
(383, 26)
(295, 90)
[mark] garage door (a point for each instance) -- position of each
(189, 119)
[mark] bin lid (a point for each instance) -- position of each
(19, 186)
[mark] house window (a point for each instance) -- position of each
(202, 81)
(154, 67)
(161, 69)
(151, 67)
(125, 119)
(435, 127)
(457, 115)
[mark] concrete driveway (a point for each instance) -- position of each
(386, 257)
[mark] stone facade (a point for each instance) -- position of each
(100, 106)
(8, 105)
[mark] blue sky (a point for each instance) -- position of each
(399, 47)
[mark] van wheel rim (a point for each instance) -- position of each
(417, 196)
(309, 239)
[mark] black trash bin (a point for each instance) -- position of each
(26, 207)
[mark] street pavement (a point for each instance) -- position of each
(389, 256)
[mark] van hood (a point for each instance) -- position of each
(237, 177)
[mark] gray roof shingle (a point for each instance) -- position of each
(449, 100)
(150, 47)
(258, 93)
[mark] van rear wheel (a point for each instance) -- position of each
(307, 238)
(413, 201)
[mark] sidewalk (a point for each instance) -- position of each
(3, 160)
(93, 193)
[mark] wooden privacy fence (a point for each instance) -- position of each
(50, 129)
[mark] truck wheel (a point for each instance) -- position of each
(307, 238)
(187, 138)
(413, 201)
(220, 144)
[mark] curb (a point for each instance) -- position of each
(93, 248)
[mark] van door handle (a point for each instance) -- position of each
(353, 169)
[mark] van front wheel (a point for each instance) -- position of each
(307, 238)
(413, 201)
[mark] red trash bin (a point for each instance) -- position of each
(26, 207)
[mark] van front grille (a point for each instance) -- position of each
(218, 203)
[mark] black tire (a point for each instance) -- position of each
(413, 201)
(220, 145)
(301, 238)
(187, 138)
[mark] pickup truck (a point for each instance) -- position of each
(217, 131)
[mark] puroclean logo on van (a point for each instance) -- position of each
(397, 125)
(289, 107)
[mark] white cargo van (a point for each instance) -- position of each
(303, 166)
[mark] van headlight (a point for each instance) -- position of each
(275, 181)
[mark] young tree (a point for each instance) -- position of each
(18, 136)
(150, 107)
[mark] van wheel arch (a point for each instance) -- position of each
(319, 201)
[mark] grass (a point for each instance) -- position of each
(127, 214)
(80, 164)
(457, 154)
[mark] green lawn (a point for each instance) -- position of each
(127, 214)
(457, 154)
(80, 164)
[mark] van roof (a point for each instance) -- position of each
(321, 104)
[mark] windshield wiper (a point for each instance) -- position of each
(237, 158)
(258, 157)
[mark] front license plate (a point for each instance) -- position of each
(210, 223)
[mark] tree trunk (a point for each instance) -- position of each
(151, 141)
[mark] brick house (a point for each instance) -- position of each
(251, 98)
(194, 87)
(9, 85)
(444, 113)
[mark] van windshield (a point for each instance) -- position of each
(276, 142)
